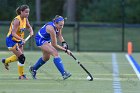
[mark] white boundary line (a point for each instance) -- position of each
(116, 79)
(133, 66)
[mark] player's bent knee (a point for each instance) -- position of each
(55, 53)
(21, 59)
(45, 58)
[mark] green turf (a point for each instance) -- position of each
(50, 81)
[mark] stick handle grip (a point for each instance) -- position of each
(26, 39)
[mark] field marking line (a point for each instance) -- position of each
(116, 79)
(77, 73)
(59, 79)
(132, 61)
(35, 90)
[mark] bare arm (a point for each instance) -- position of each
(15, 28)
(50, 30)
(29, 28)
(60, 37)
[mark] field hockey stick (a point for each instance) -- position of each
(26, 39)
(91, 78)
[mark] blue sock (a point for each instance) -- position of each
(58, 63)
(38, 64)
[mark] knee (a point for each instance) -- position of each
(21, 59)
(44, 58)
(55, 53)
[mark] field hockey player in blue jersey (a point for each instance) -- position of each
(46, 40)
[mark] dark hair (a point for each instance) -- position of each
(21, 8)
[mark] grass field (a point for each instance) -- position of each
(101, 65)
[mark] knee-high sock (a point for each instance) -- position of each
(58, 63)
(38, 64)
(20, 69)
(10, 59)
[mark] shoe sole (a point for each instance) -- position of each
(67, 77)
(31, 72)
(6, 65)
(23, 78)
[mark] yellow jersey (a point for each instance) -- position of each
(21, 28)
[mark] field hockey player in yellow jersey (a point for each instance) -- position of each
(15, 39)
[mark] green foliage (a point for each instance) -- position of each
(86, 10)
(132, 11)
(8, 8)
(102, 11)
(50, 8)
(109, 11)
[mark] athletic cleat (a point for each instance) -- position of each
(33, 72)
(5, 64)
(23, 77)
(66, 75)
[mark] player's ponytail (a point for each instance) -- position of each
(21, 8)
(18, 11)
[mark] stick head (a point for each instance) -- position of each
(89, 78)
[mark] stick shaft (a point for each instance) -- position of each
(82, 66)
(27, 38)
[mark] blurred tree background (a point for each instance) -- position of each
(76, 10)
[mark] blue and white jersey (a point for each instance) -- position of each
(42, 36)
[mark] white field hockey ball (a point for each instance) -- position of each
(88, 78)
